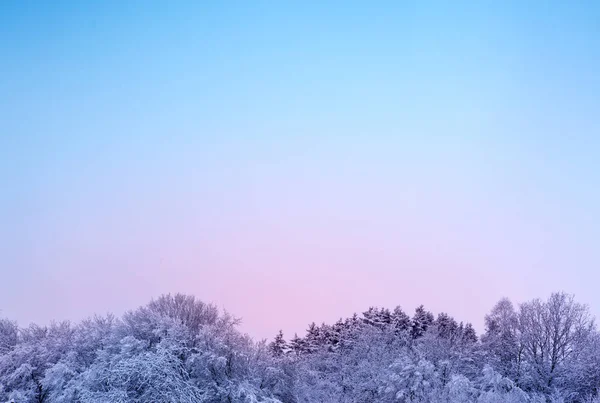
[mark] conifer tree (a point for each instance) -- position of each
(297, 345)
(400, 320)
(469, 335)
(312, 339)
(278, 346)
(421, 321)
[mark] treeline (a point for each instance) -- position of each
(340, 335)
(179, 349)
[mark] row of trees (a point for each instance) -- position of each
(341, 334)
(179, 349)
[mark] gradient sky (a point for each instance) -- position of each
(293, 162)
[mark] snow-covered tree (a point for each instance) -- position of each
(401, 321)
(421, 321)
(553, 333)
(8, 335)
(176, 348)
(278, 346)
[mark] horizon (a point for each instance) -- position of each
(302, 333)
(297, 163)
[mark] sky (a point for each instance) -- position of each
(297, 161)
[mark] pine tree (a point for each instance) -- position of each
(278, 346)
(312, 339)
(421, 321)
(446, 326)
(469, 335)
(336, 334)
(324, 335)
(384, 317)
(400, 320)
(380, 318)
(370, 316)
(297, 345)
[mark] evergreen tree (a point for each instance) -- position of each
(370, 316)
(380, 318)
(336, 334)
(324, 335)
(278, 346)
(353, 324)
(400, 320)
(384, 317)
(312, 339)
(176, 350)
(297, 345)
(469, 335)
(447, 327)
(421, 321)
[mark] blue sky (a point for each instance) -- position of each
(254, 154)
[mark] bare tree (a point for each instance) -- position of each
(553, 332)
(8, 335)
(502, 338)
(186, 309)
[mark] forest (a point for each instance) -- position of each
(180, 349)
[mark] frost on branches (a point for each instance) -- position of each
(179, 349)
